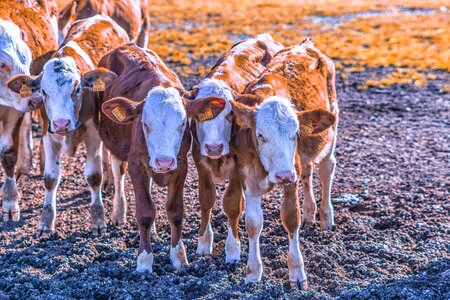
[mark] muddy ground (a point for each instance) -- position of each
(392, 209)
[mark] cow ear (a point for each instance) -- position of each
(247, 99)
(315, 121)
(244, 114)
(24, 85)
(98, 80)
(121, 110)
(205, 108)
(190, 95)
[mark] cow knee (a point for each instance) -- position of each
(253, 223)
(9, 160)
(94, 180)
(146, 218)
(49, 182)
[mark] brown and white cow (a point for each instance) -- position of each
(292, 127)
(66, 86)
(211, 134)
(27, 40)
(131, 15)
(144, 123)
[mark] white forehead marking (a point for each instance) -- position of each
(13, 49)
(81, 52)
(59, 75)
(277, 116)
(214, 87)
(160, 103)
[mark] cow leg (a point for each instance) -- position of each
(232, 205)
(309, 203)
(108, 172)
(119, 215)
(290, 215)
(93, 175)
(145, 216)
(52, 177)
(207, 196)
(174, 207)
(326, 174)
(253, 224)
(24, 161)
(9, 143)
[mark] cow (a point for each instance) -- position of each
(67, 86)
(212, 128)
(144, 124)
(28, 38)
(291, 125)
(132, 15)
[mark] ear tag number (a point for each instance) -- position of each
(25, 91)
(119, 113)
(306, 129)
(206, 115)
(99, 85)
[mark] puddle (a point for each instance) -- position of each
(334, 21)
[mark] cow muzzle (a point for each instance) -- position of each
(285, 177)
(213, 150)
(164, 164)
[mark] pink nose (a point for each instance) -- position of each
(61, 125)
(164, 163)
(285, 177)
(214, 149)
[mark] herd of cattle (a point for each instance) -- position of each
(264, 115)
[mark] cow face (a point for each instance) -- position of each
(275, 128)
(15, 58)
(213, 127)
(163, 120)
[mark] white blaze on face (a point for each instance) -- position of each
(62, 92)
(164, 120)
(276, 130)
(15, 58)
(218, 130)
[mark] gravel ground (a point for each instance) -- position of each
(392, 210)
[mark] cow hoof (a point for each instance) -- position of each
(327, 225)
(45, 230)
(302, 285)
(11, 215)
(232, 249)
(99, 228)
(254, 273)
(144, 262)
(178, 256)
(119, 220)
(205, 242)
(306, 222)
(11, 210)
(326, 221)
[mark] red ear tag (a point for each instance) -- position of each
(25, 91)
(119, 113)
(206, 115)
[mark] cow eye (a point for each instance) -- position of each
(261, 139)
(146, 128)
(44, 93)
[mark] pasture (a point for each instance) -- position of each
(392, 186)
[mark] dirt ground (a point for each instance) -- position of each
(392, 210)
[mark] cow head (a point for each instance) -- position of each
(275, 128)
(15, 58)
(60, 86)
(210, 110)
(163, 120)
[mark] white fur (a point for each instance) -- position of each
(178, 256)
(232, 248)
(119, 200)
(58, 87)
(205, 242)
(144, 262)
(277, 123)
(16, 55)
(81, 52)
(164, 113)
(217, 130)
(297, 268)
(253, 219)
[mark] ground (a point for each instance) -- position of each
(391, 199)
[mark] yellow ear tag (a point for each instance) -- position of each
(99, 85)
(206, 115)
(119, 113)
(25, 91)
(306, 129)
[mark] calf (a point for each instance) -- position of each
(131, 15)
(145, 124)
(293, 127)
(67, 85)
(26, 35)
(212, 128)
